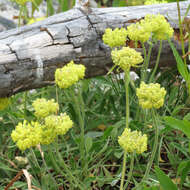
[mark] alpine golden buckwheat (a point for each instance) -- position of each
(133, 141)
(115, 38)
(150, 95)
(45, 107)
(126, 58)
(69, 74)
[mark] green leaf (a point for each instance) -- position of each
(151, 188)
(182, 68)
(50, 9)
(88, 143)
(94, 134)
(165, 182)
(35, 5)
(182, 125)
(183, 170)
(4, 167)
(187, 117)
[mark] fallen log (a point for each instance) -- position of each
(29, 55)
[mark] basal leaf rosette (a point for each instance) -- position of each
(115, 38)
(69, 74)
(150, 95)
(45, 107)
(133, 141)
(126, 58)
(27, 135)
(4, 102)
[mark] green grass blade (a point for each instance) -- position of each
(182, 68)
(165, 182)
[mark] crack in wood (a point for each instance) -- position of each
(48, 32)
(68, 36)
(13, 51)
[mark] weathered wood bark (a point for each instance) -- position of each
(29, 55)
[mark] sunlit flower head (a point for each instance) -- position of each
(150, 95)
(139, 32)
(69, 74)
(33, 20)
(126, 58)
(151, 2)
(161, 29)
(152, 26)
(22, 2)
(133, 141)
(45, 107)
(115, 38)
(4, 102)
(55, 125)
(60, 124)
(27, 135)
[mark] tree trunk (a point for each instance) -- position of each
(29, 55)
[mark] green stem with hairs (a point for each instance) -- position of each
(146, 63)
(157, 62)
(80, 112)
(127, 80)
(149, 165)
(181, 31)
(123, 170)
(130, 171)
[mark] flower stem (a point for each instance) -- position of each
(80, 112)
(181, 31)
(146, 63)
(127, 80)
(25, 104)
(154, 147)
(123, 170)
(130, 171)
(157, 62)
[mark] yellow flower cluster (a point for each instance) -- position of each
(22, 2)
(45, 131)
(150, 95)
(55, 125)
(155, 26)
(45, 107)
(133, 141)
(4, 102)
(69, 74)
(151, 2)
(33, 20)
(126, 58)
(27, 135)
(161, 29)
(139, 32)
(115, 38)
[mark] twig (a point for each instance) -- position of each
(19, 174)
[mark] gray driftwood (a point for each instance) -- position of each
(29, 55)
